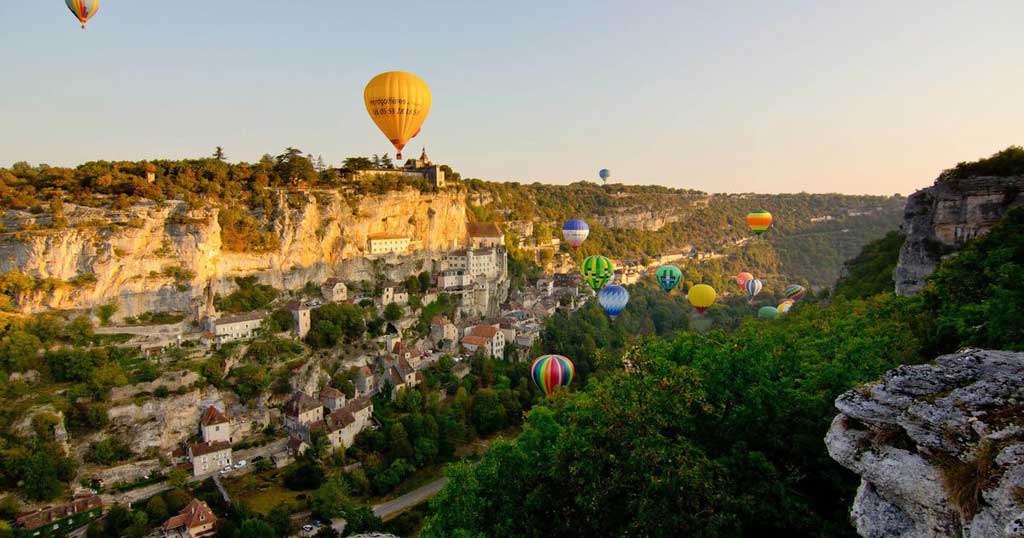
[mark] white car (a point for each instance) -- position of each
(239, 464)
(226, 470)
(307, 528)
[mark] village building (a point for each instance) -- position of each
(441, 329)
(300, 319)
(301, 411)
(489, 338)
(484, 235)
(477, 262)
(384, 243)
(334, 290)
(365, 382)
(453, 278)
(58, 520)
(232, 328)
(207, 457)
(332, 399)
(343, 424)
(402, 375)
(196, 520)
(413, 168)
(393, 293)
(215, 425)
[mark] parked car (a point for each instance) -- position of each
(307, 528)
(239, 464)
(226, 470)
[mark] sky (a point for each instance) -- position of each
(739, 96)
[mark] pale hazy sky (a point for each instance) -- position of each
(765, 96)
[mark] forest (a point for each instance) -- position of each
(719, 433)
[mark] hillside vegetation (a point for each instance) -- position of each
(719, 433)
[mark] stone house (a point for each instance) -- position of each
(301, 317)
(209, 457)
(490, 338)
(215, 425)
(334, 290)
(384, 243)
(196, 520)
(232, 328)
(442, 329)
(332, 399)
(365, 382)
(301, 411)
(484, 235)
(58, 520)
(342, 425)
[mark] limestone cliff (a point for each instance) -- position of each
(159, 256)
(939, 448)
(940, 218)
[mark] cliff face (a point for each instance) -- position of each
(158, 257)
(939, 448)
(940, 218)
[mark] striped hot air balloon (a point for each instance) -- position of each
(742, 278)
(597, 271)
(613, 299)
(668, 277)
(83, 9)
(795, 292)
(753, 287)
(759, 221)
(550, 371)
(575, 232)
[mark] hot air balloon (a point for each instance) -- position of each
(613, 299)
(668, 276)
(605, 174)
(575, 232)
(759, 221)
(550, 371)
(701, 297)
(742, 278)
(795, 292)
(83, 9)
(753, 287)
(398, 102)
(785, 305)
(768, 312)
(597, 271)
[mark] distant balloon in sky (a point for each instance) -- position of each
(597, 271)
(701, 297)
(753, 287)
(759, 221)
(785, 305)
(83, 9)
(605, 174)
(795, 292)
(551, 371)
(398, 102)
(742, 278)
(575, 232)
(768, 312)
(613, 299)
(668, 276)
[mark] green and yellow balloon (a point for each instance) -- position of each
(668, 277)
(597, 271)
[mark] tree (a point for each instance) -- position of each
(393, 312)
(178, 478)
(398, 441)
(219, 154)
(19, 351)
(357, 163)
(255, 528)
(280, 518)
(488, 413)
(293, 167)
(331, 499)
(156, 508)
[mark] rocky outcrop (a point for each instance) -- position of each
(939, 448)
(939, 219)
(160, 256)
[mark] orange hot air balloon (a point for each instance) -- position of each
(398, 102)
(83, 9)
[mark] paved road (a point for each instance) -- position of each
(413, 498)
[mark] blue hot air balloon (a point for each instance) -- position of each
(614, 299)
(575, 231)
(605, 174)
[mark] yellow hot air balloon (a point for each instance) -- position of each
(701, 297)
(398, 102)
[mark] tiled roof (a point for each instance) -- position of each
(331, 392)
(475, 340)
(439, 320)
(212, 416)
(300, 403)
(195, 514)
(248, 316)
(201, 449)
(483, 229)
(38, 518)
(484, 331)
(384, 235)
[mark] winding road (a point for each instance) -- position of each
(387, 509)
